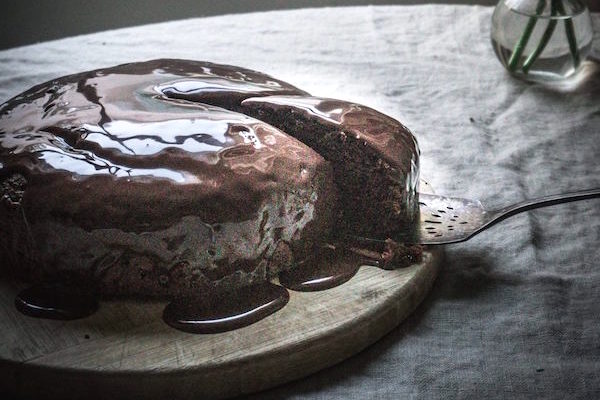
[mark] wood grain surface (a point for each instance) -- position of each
(125, 350)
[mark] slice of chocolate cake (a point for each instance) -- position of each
(375, 159)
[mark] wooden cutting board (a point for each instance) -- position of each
(125, 350)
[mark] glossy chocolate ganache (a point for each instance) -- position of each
(193, 181)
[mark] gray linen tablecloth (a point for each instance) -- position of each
(515, 311)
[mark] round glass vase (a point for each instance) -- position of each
(542, 40)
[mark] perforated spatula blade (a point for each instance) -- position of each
(445, 220)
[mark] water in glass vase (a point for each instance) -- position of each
(542, 40)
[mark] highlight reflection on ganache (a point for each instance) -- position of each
(329, 267)
(55, 301)
(216, 312)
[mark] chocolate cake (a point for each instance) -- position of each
(169, 177)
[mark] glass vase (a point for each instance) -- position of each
(542, 40)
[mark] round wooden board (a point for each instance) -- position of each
(125, 350)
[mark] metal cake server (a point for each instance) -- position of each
(445, 220)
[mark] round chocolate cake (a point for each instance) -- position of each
(169, 177)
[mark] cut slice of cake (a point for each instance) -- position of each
(375, 158)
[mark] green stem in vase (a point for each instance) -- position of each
(545, 38)
(570, 31)
(522, 42)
